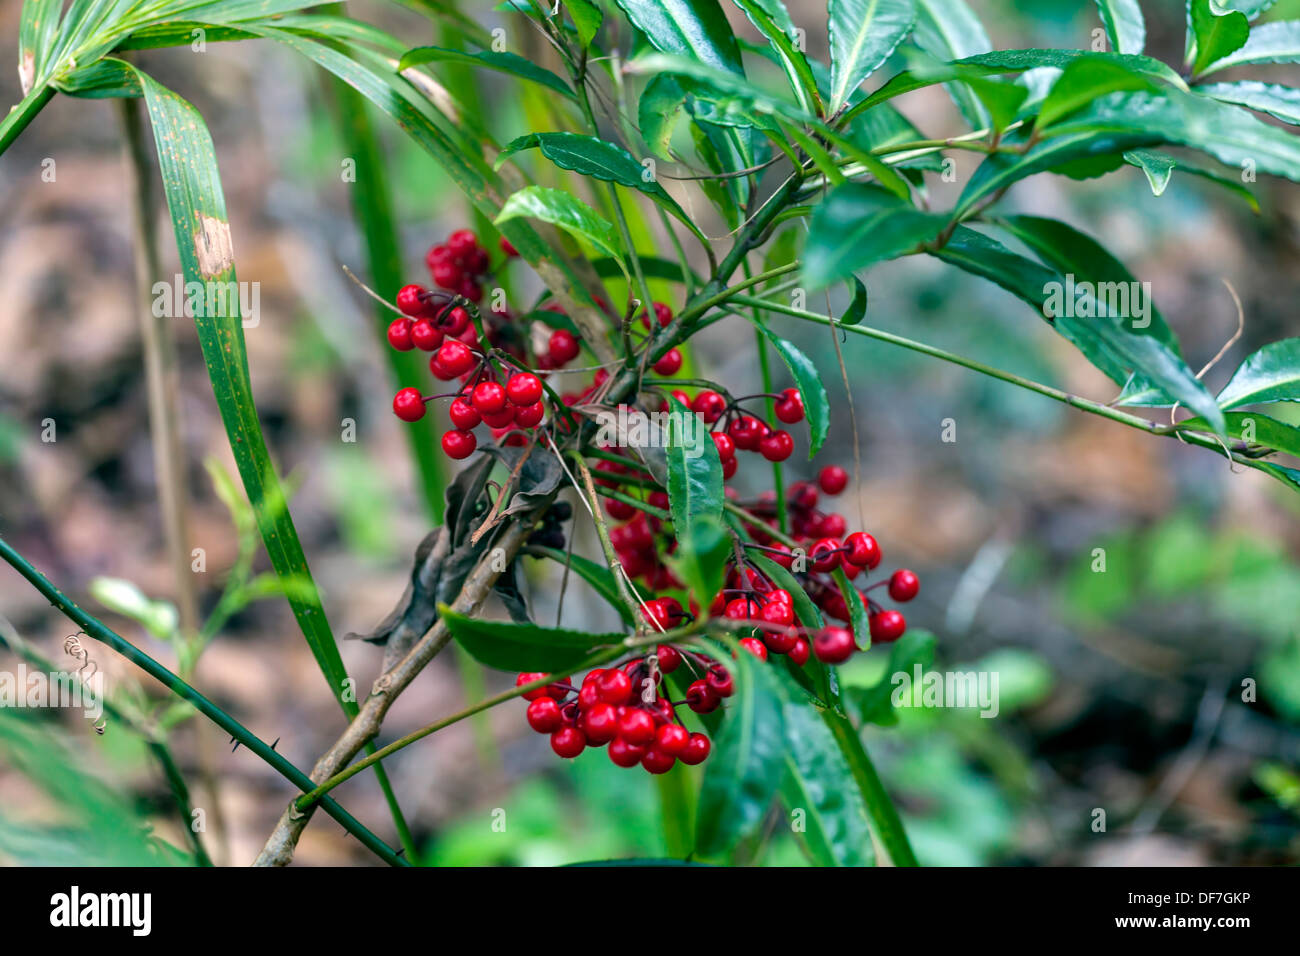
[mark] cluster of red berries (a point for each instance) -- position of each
(737, 430)
(504, 408)
(459, 264)
(626, 707)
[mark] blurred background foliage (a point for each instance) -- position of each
(1121, 689)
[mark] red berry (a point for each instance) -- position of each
(408, 405)
(527, 678)
(776, 446)
(737, 609)
(614, 687)
(709, 406)
(459, 444)
(455, 358)
(463, 414)
(425, 335)
(446, 274)
(544, 715)
(726, 447)
(720, 682)
(456, 322)
(490, 397)
(833, 479)
(624, 753)
(790, 409)
(562, 347)
(755, 647)
(701, 698)
(524, 389)
(832, 526)
(904, 585)
(746, 431)
(636, 726)
(863, 550)
(619, 510)
(671, 739)
(530, 415)
(669, 364)
(436, 254)
(729, 468)
(656, 761)
(399, 335)
(662, 313)
(825, 554)
(470, 289)
(462, 242)
(568, 742)
(410, 300)
(669, 658)
(834, 645)
(500, 419)
(508, 248)
(887, 626)
(696, 751)
(777, 612)
(780, 642)
(799, 653)
(600, 724)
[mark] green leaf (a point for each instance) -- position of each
(523, 647)
(1158, 167)
(1277, 42)
(772, 20)
(502, 62)
(1270, 375)
(123, 597)
(1083, 81)
(1152, 162)
(1213, 36)
(745, 769)
(586, 18)
(949, 30)
(598, 576)
(885, 824)
(819, 782)
(857, 310)
(658, 110)
(859, 225)
(1281, 102)
(701, 557)
(600, 159)
(694, 472)
(1255, 428)
(875, 703)
(697, 29)
(863, 33)
(1125, 28)
(566, 211)
(809, 382)
(858, 619)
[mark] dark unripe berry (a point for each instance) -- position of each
(790, 408)
(410, 300)
(656, 761)
(408, 405)
(669, 364)
(524, 389)
(544, 715)
(624, 753)
(776, 446)
(568, 742)
(696, 750)
(463, 414)
(862, 550)
(562, 347)
(671, 739)
(709, 406)
(834, 645)
(887, 626)
(904, 585)
(459, 444)
(833, 479)
(825, 554)
(399, 335)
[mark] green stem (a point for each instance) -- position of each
(765, 368)
(885, 822)
(22, 114)
(93, 628)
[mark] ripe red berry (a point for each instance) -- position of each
(462, 242)
(719, 681)
(501, 419)
(490, 397)
(904, 585)
(636, 726)
(544, 715)
(410, 300)
(614, 687)
(834, 645)
(600, 724)
(568, 742)
(832, 525)
(656, 761)
(408, 405)
(669, 364)
(777, 612)
(862, 550)
(755, 647)
(530, 415)
(737, 609)
(524, 389)
(701, 698)
(780, 642)
(672, 739)
(799, 653)
(887, 626)
(776, 446)
(425, 335)
(669, 658)
(527, 678)
(790, 409)
(463, 414)
(663, 314)
(726, 447)
(455, 358)
(696, 750)
(709, 406)
(436, 254)
(825, 554)
(399, 335)
(833, 479)
(729, 468)
(459, 444)
(624, 753)
(446, 274)
(508, 248)
(562, 347)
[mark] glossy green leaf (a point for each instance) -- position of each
(694, 28)
(858, 619)
(885, 823)
(700, 560)
(772, 19)
(586, 17)
(863, 33)
(1158, 167)
(1256, 429)
(1083, 81)
(658, 110)
(859, 225)
(857, 310)
(808, 380)
(523, 647)
(566, 211)
(1270, 375)
(949, 30)
(597, 575)
(694, 472)
(1154, 163)
(1281, 102)
(1213, 36)
(1125, 27)
(745, 769)
(1277, 42)
(502, 62)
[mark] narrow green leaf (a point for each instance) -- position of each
(502, 62)
(586, 17)
(1213, 35)
(1158, 167)
(522, 647)
(858, 619)
(1257, 429)
(694, 28)
(566, 211)
(885, 823)
(1125, 28)
(863, 33)
(1083, 81)
(1270, 375)
(1277, 42)
(808, 380)
(859, 225)
(772, 19)
(694, 472)
(1281, 102)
